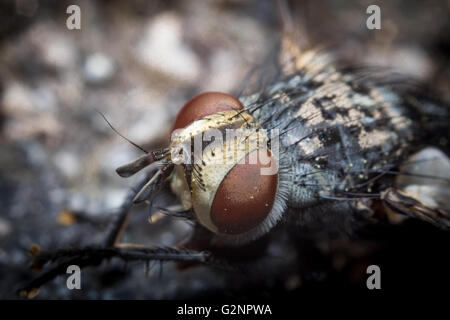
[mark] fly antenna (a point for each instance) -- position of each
(134, 166)
(121, 135)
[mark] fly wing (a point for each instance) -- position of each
(294, 40)
(400, 202)
(422, 189)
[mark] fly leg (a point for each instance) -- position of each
(172, 213)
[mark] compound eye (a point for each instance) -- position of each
(205, 104)
(246, 195)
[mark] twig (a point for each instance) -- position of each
(92, 256)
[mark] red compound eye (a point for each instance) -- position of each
(245, 197)
(205, 104)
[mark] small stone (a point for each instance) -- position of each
(35, 153)
(16, 100)
(77, 202)
(66, 218)
(44, 100)
(67, 163)
(113, 197)
(54, 47)
(150, 126)
(5, 227)
(34, 250)
(162, 49)
(98, 69)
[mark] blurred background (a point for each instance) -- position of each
(137, 62)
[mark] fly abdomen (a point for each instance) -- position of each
(340, 133)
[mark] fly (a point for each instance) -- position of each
(339, 145)
(318, 142)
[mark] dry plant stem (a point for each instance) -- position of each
(111, 248)
(92, 256)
